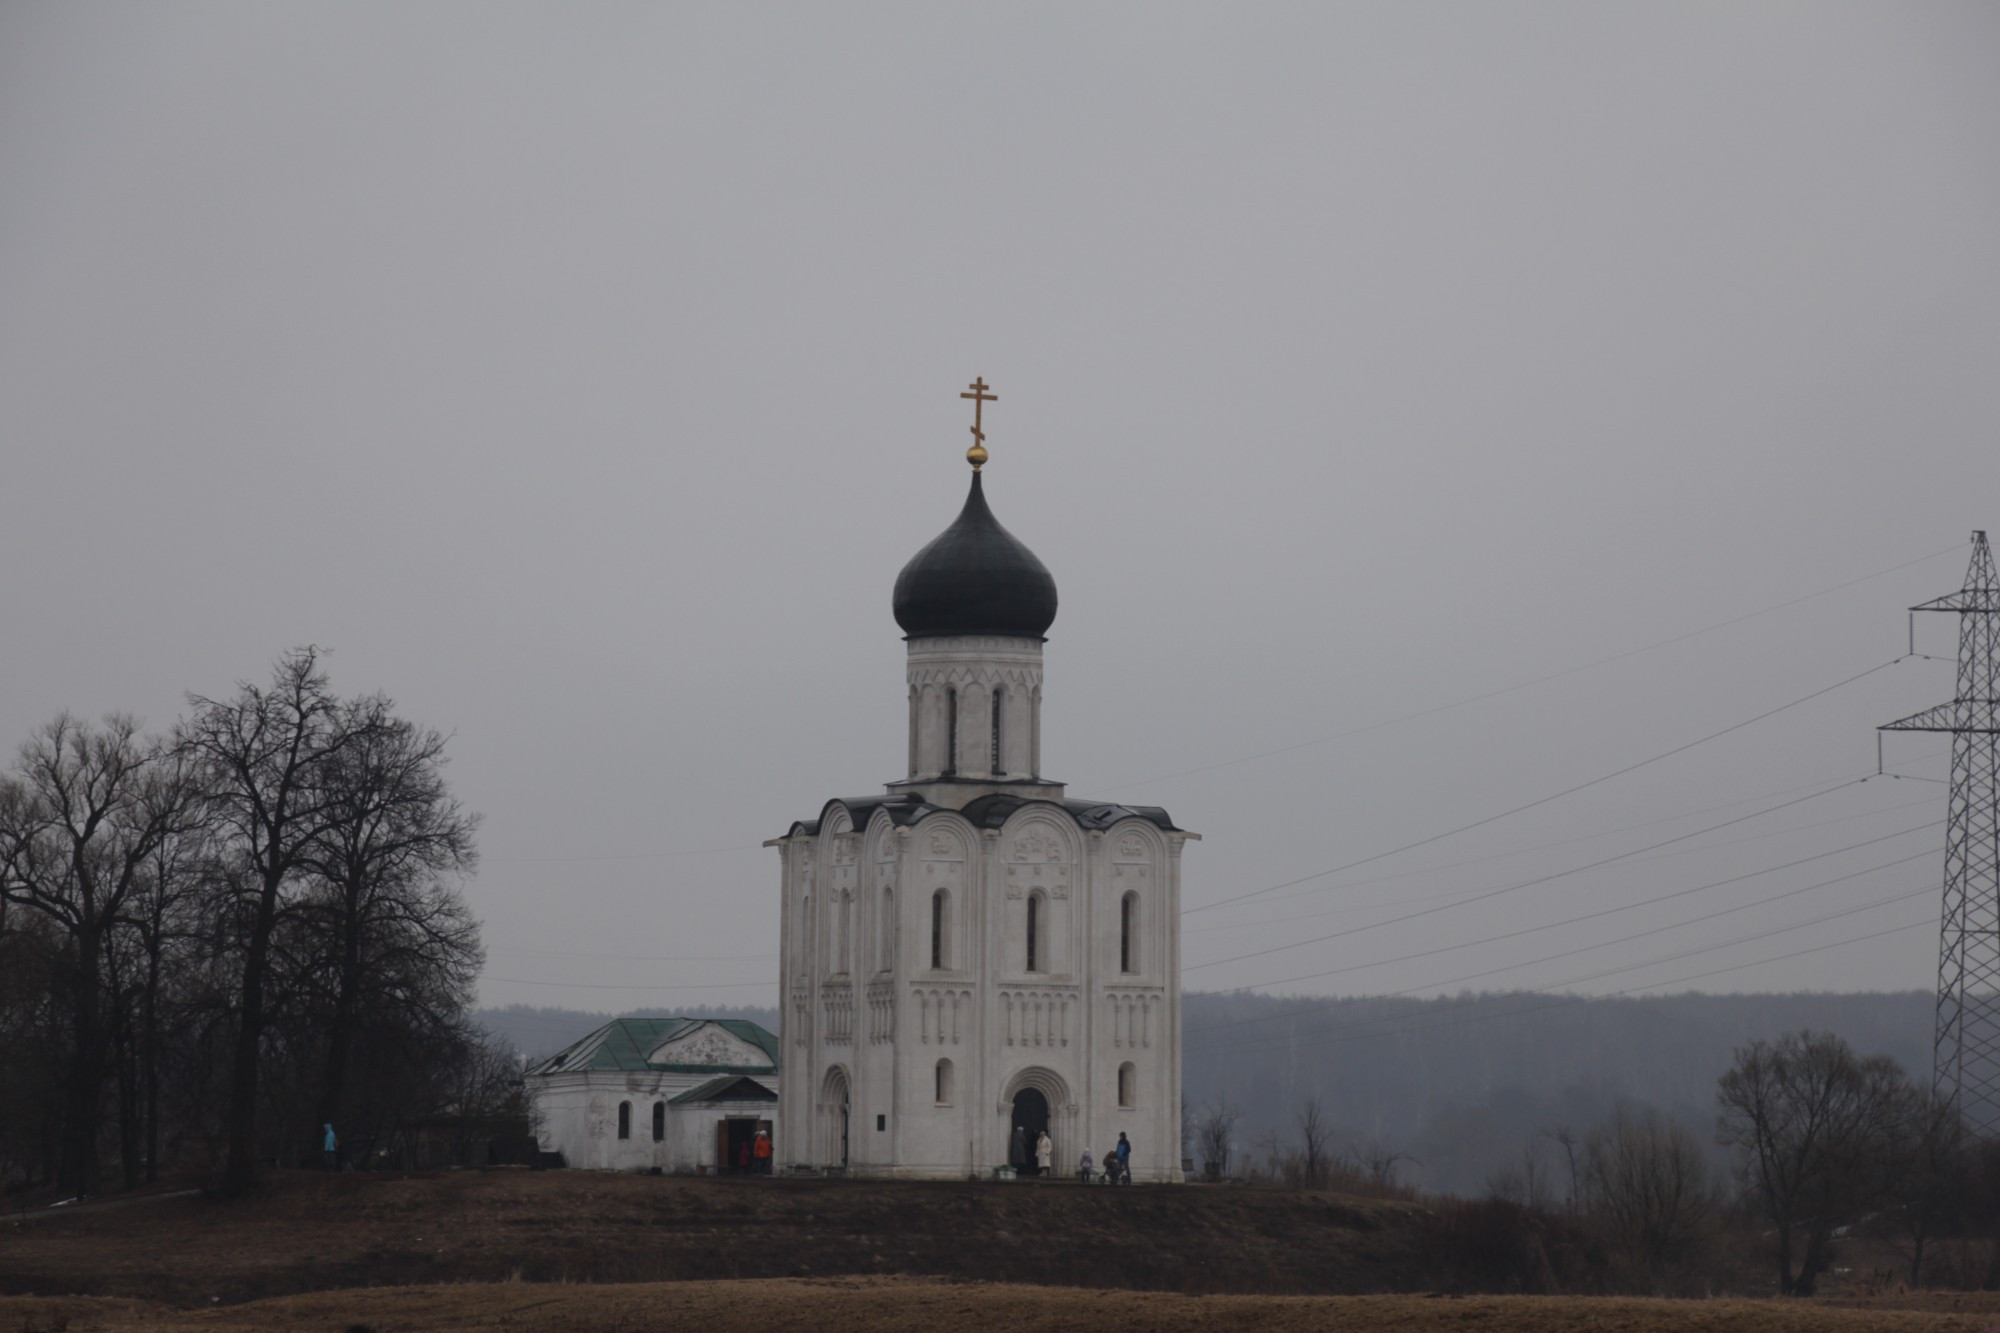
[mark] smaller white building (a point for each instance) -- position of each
(673, 1094)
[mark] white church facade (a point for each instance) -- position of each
(975, 956)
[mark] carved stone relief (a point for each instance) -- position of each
(1038, 844)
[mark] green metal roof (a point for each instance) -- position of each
(624, 1044)
(728, 1088)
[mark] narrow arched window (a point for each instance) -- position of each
(659, 1121)
(937, 928)
(944, 1083)
(951, 733)
(1127, 1076)
(624, 1120)
(1034, 930)
(803, 935)
(888, 928)
(995, 768)
(1128, 922)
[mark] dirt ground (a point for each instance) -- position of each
(559, 1250)
(912, 1305)
(307, 1231)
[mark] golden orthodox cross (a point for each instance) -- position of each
(976, 455)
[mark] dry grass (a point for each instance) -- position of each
(908, 1305)
(309, 1232)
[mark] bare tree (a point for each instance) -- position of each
(395, 931)
(1648, 1179)
(1212, 1131)
(160, 918)
(1929, 1188)
(1381, 1166)
(267, 755)
(1565, 1139)
(1315, 1156)
(1522, 1183)
(80, 820)
(1817, 1130)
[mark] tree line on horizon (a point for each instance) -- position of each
(216, 939)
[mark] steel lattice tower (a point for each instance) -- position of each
(1966, 1055)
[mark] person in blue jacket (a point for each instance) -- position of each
(1125, 1157)
(332, 1150)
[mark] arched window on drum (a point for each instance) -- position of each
(1037, 951)
(1128, 933)
(940, 930)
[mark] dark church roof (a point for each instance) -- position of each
(975, 577)
(727, 1088)
(989, 811)
(625, 1043)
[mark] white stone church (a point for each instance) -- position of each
(975, 956)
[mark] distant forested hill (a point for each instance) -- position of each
(1462, 1084)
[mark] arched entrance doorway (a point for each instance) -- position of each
(1036, 1099)
(1031, 1120)
(833, 1118)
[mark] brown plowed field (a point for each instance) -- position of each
(307, 1231)
(915, 1305)
(561, 1250)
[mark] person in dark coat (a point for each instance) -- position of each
(1017, 1148)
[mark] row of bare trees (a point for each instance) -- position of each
(1822, 1144)
(1815, 1147)
(214, 939)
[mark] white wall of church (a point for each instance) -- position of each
(953, 983)
(579, 1119)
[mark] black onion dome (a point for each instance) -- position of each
(975, 577)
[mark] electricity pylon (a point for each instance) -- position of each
(1966, 1052)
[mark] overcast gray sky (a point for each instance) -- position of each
(582, 374)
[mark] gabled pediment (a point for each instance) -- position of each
(709, 1044)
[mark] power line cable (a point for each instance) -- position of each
(1639, 861)
(1291, 1039)
(1829, 783)
(1622, 939)
(1520, 884)
(1421, 1028)
(1556, 796)
(1539, 680)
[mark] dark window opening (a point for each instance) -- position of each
(1034, 924)
(994, 768)
(950, 733)
(1128, 908)
(937, 929)
(659, 1121)
(624, 1120)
